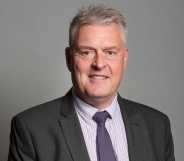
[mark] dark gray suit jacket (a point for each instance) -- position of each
(52, 132)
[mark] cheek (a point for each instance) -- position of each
(117, 71)
(80, 70)
(117, 68)
(79, 66)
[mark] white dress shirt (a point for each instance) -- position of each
(114, 126)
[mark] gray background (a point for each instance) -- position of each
(34, 33)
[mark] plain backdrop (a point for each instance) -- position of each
(34, 34)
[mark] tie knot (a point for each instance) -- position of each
(101, 117)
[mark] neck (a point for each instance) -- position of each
(99, 103)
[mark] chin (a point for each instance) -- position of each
(99, 94)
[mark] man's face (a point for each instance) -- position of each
(97, 62)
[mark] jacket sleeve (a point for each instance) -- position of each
(169, 146)
(21, 147)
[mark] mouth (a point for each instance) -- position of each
(98, 76)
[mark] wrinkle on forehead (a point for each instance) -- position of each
(102, 36)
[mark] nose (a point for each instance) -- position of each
(99, 61)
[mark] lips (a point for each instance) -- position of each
(98, 76)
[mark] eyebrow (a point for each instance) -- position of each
(85, 47)
(92, 48)
(111, 48)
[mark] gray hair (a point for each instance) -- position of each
(99, 14)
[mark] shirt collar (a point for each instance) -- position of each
(88, 110)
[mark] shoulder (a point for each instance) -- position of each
(149, 114)
(156, 122)
(43, 110)
(44, 114)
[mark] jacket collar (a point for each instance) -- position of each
(71, 129)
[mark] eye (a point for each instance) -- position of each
(109, 52)
(86, 53)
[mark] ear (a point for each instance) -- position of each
(125, 58)
(68, 58)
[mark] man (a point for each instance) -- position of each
(92, 122)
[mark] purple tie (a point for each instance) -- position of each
(104, 147)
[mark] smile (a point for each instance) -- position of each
(100, 77)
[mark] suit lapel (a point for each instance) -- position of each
(71, 129)
(139, 142)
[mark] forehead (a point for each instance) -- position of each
(96, 34)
